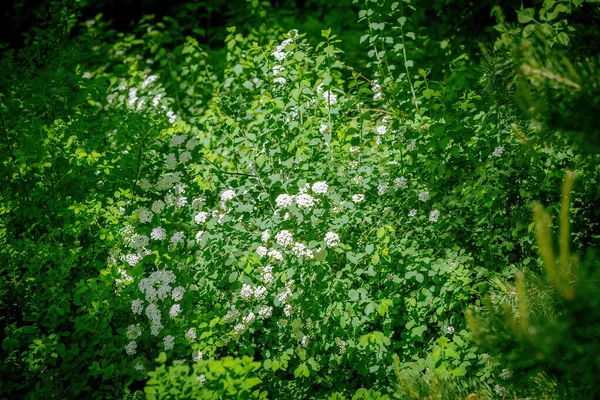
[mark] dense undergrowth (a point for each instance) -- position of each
(278, 209)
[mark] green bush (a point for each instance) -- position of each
(327, 208)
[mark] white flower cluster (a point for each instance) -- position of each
(158, 233)
(400, 183)
(158, 206)
(434, 215)
(300, 250)
(498, 151)
(201, 217)
(265, 312)
(381, 130)
(332, 239)
(144, 215)
(424, 196)
(284, 238)
(320, 187)
(228, 195)
(330, 98)
(190, 335)
(358, 198)
(169, 342)
(134, 331)
(265, 236)
(376, 88)
(196, 355)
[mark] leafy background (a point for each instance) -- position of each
(402, 147)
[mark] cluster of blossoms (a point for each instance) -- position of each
(157, 287)
(376, 88)
(400, 183)
(332, 239)
(358, 198)
(280, 55)
(303, 199)
(498, 151)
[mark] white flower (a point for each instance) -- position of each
(201, 379)
(134, 331)
(400, 183)
(287, 310)
(330, 98)
(265, 312)
(381, 129)
(499, 390)
(450, 329)
(381, 189)
(412, 213)
(149, 80)
(275, 255)
(172, 116)
(155, 328)
(169, 342)
(260, 292)
(177, 140)
(170, 161)
(197, 356)
(200, 218)
(185, 156)
(498, 151)
(158, 206)
(277, 69)
(304, 341)
(301, 250)
(332, 239)
(191, 335)
(131, 348)
(320, 187)
(131, 259)
(262, 251)
(174, 311)
(144, 215)
(137, 306)
(239, 329)
(505, 373)
(424, 196)
(280, 80)
(284, 238)
(249, 319)
(177, 294)
(358, 198)
(158, 233)
(246, 292)
(87, 75)
(377, 96)
(305, 200)
(434, 215)
(265, 236)
(284, 200)
(323, 128)
(177, 238)
(227, 195)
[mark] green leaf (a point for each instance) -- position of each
(526, 15)
(233, 277)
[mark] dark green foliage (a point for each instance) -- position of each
(448, 127)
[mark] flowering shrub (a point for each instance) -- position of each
(288, 223)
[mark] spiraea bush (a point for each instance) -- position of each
(271, 218)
